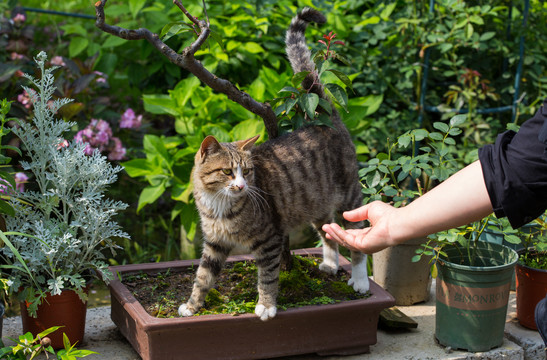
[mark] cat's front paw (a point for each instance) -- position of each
(329, 268)
(359, 283)
(184, 310)
(265, 313)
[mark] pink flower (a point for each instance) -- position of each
(5, 186)
(98, 135)
(24, 99)
(58, 61)
(103, 126)
(118, 153)
(129, 120)
(89, 149)
(20, 180)
(16, 56)
(62, 144)
(19, 19)
(101, 77)
(102, 137)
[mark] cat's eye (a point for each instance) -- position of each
(227, 171)
(246, 171)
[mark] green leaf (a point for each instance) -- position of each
(487, 36)
(113, 41)
(253, 48)
(247, 129)
(289, 89)
(325, 105)
(343, 77)
(182, 192)
(404, 140)
(150, 194)
(219, 40)
(77, 45)
(6, 208)
(338, 94)
(160, 104)
(476, 19)
(441, 126)
(436, 136)
(48, 331)
(137, 167)
(69, 29)
(513, 239)
(309, 103)
(458, 120)
(373, 179)
(135, 6)
(154, 145)
(469, 30)
(173, 29)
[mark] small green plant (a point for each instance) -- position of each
(531, 237)
(402, 177)
(29, 347)
(62, 225)
(303, 107)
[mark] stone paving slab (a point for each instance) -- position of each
(103, 337)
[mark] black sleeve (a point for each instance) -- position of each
(515, 171)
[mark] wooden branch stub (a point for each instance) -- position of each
(187, 61)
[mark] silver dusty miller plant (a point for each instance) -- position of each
(67, 220)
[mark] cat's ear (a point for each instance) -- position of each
(208, 146)
(246, 145)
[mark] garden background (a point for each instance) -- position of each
(150, 116)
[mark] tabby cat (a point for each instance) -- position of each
(254, 195)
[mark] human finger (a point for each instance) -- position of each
(358, 214)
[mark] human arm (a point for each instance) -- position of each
(459, 200)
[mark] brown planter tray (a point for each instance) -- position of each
(345, 328)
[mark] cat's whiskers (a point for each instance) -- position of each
(258, 201)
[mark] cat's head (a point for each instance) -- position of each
(225, 168)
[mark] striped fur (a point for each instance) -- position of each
(254, 195)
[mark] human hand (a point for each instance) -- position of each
(368, 240)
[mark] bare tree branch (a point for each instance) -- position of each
(187, 61)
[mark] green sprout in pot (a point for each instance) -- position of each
(529, 240)
(63, 222)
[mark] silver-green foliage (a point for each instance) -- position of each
(68, 216)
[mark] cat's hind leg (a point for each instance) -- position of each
(212, 260)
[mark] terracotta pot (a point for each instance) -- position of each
(531, 288)
(344, 328)
(65, 310)
(409, 282)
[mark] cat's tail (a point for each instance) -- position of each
(300, 56)
(297, 50)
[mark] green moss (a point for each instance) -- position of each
(214, 298)
(342, 288)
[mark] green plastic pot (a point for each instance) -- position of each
(471, 304)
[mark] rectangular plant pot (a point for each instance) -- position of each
(345, 328)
